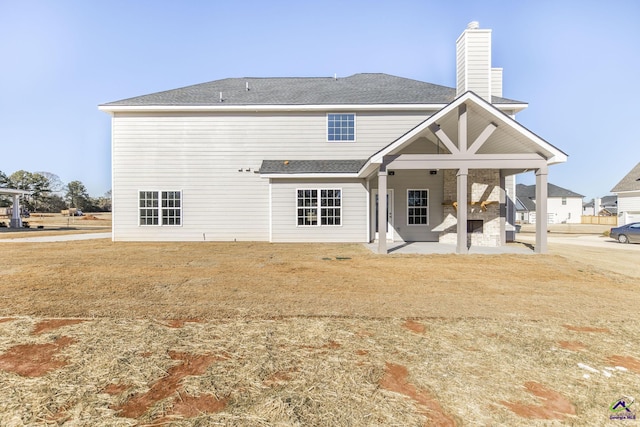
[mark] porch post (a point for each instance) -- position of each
(503, 210)
(541, 210)
(16, 221)
(382, 209)
(461, 247)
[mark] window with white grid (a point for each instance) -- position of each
(417, 207)
(341, 127)
(171, 208)
(148, 208)
(330, 207)
(160, 208)
(318, 207)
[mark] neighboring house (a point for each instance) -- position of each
(525, 209)
(14, 212)
(304, 159)
(601, 206)
(628, 192)
(563, 206)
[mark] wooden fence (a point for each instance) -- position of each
(601, 220)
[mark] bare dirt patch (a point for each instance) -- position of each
(395, 379)
(190, 406)
(169, 385)
(628, 362)
(414, 326)
(554, 405)
(179, 323)
(49, 325)
(35, 360)
(572, 345)
(115, 388)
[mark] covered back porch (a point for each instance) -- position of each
(477, 149)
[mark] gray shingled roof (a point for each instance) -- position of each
(366, 88)
(525, 204)
(605, 201)
(631, 181)
(529, 192)
(311, 166)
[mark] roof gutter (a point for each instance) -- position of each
(108, 108)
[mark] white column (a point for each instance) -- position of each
(461, 247)
(541, 211)
(16, 221)
(382, 210)
(503, 210)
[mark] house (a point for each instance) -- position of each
(601, 206)
(525, 209)
(304, 159)
(563, 206)
(628, 192)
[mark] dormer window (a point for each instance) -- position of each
(341, 127)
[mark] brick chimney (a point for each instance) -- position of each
(473, 63)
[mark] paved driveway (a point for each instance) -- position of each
(597, 241)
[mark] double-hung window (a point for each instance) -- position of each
(317, 207)
(171, 208)
(149, 212)
(417, 207)
(160, 208)
(341, 127)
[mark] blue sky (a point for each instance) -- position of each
(577, 64)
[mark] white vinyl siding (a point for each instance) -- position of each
(402, 181)
(285, 205)
(564, 210)
(214, 158)
(629, 201)
(628, 207)
(496, 82)
(473, 51)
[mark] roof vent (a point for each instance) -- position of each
(473, 25)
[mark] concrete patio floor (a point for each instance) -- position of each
(444, 248)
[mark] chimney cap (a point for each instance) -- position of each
(473, 25)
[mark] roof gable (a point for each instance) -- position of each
(631, 181)
(509, 137)
(529, 191)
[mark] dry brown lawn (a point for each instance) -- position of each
(258, 334)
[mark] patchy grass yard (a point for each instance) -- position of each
(102, 333)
